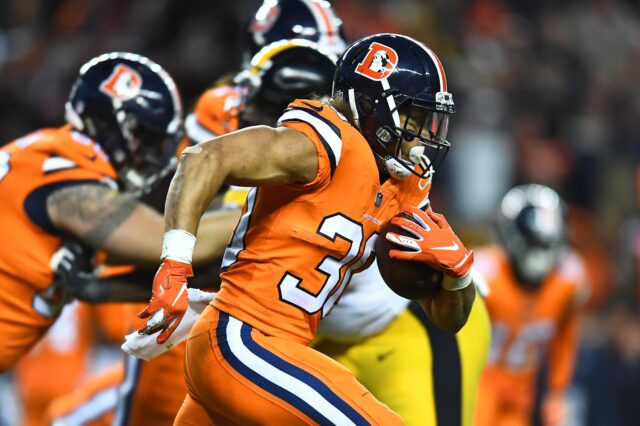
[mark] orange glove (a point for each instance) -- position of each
(434, 243)
(169, 298)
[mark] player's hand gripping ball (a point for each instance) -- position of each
(409, 279)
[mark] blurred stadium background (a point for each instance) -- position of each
(546, 92)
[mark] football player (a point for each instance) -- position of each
(535, 290)
(422, 393)
(368, 307)
(428, 376)
(217, 113)
(279, 73)
(124, 122)
(313, 20)
(309, 226)
(217, 110)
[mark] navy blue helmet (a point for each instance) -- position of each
(281, 72)
(532, 227)
(384, 77)
(131, 107)
(313, 20)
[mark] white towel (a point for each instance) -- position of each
(144, 346)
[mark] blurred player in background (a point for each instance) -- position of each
(125, 120)
(535, 291)
(310, 166)
(56, 365)
(217, 111)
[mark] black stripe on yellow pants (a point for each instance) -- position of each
(446, 370)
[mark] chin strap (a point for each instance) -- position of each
(396, 169)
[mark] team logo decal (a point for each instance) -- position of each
(265, 18)
(123, 84)
(379, 62)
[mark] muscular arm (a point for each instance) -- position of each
(254, 156)
(126, 229)
(449, 310)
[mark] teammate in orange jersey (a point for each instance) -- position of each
(535, 289)
(304, 231)
(310, 70)
(124, 117)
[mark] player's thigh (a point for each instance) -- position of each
(21, 327)
(193, 413)
(91, 404)
(396, 366)
(251, 378)
(158, 388)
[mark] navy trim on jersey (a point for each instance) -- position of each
(284, 366)
(35, 204)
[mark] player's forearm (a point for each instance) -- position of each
(107, 220)
(199, 176)
(562, 353)
(449, 310)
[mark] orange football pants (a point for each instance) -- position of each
(92, 404)
(152, 391)
(149, 393)
(238, 375)
(21, 327)
(55, 366)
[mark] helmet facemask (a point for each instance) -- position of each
(150, 156)
(534, 241)
(414, 139)
(131, 107)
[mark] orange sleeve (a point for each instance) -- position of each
(316, 122)
(562, 351)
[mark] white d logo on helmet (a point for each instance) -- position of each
(379, 63)
(123, 84)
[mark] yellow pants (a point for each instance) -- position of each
(426, 375)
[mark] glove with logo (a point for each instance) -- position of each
(435, 243)
(169, 299)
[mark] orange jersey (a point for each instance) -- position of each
(30, 166)
(30, 169)
(216, 113)
(529, 325)
(296, 246)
